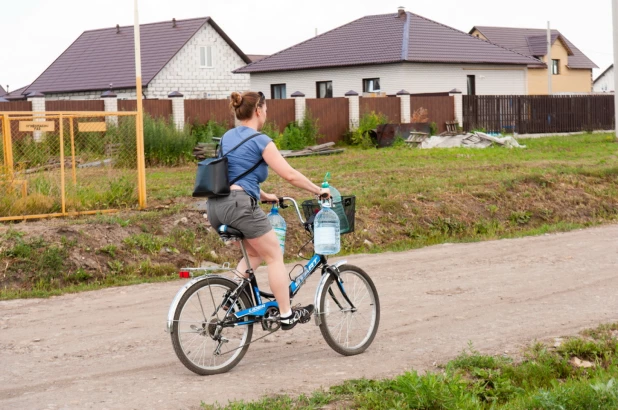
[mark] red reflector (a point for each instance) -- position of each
(184, 274)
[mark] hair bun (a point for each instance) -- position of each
(236, 99)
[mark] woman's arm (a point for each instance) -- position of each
(273, 158)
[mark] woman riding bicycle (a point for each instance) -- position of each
(240, 209)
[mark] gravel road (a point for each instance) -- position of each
(108, 350)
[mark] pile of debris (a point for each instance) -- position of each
(469, 140)
(322, 149)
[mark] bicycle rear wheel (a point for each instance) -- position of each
(195, 334)
(348, 330)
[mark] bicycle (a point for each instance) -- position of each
(213, 312)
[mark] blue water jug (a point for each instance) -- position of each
(326, 231)
(279, 226)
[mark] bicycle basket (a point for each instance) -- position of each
(311, 207)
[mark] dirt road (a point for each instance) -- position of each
(108, 349)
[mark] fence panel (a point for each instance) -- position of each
(154, 108)
(389, 106)
(67, 163)
(75, 105)
(538, 114)
(333, 117)
(440, 109)
(281, 112)
(16, 106)
(201, 111)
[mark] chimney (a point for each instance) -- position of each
(174, 22)
(117, 28)
(401, 11)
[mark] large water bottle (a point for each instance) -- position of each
(326, 233)
(337, 204)
(279, 226)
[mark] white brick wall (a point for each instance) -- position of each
(183, 73)
(412, 77)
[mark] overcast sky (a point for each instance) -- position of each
(35, 32)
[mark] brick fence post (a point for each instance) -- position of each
(178, 109)
(300, 105)
(458, 114)
(38, 105)
(110, 102)
(354, 109)
(404, 104)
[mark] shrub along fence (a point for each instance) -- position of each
(527, 114)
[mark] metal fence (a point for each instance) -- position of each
(440, 109)
(68, 163)
(333, 115)
(538, 114)
(389, 106)
(154, 108)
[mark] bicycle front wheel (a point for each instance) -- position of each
(200, 338)
(349, 329)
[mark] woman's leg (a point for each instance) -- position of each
(267, 247)
(254, 258)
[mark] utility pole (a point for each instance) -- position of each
(139, 120)
(615, 28)
(550, 63)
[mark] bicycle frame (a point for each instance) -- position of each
(255, 313)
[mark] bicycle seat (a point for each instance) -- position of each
(228, 233)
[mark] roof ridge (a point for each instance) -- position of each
(477, 38)
(145, 24)
(308, 40)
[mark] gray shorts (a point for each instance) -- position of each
(238, 210)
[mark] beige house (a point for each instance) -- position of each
(571, 69)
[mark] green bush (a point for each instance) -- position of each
(206, 132)
(298, 135)
(165, 145)
(368, 122)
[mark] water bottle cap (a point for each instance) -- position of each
(325, 184)
(274, 209)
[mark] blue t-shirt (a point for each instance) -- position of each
(245, 157)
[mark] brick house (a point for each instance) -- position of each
(571, 69)
(193, 56)
(383, 54)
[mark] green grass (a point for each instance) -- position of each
(544, 378)
(406, 199)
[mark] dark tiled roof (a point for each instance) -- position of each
(16, 94)
(100, 57)
(532, 42)
(2, 91)
(603, 73)
(256, 57)
(387, 38)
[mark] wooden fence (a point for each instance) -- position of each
(281, 112)
(201, 111)
(389, 106)
(154, 108)
(75, 105)
(440, 109)
(333, 117)
(538, 114)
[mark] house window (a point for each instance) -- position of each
(206, 57)
(471, 85)
(324, 89)
(371, 85)
(555, 67)
(277, 91)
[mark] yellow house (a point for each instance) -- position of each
(571, 69)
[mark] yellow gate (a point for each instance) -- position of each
(69, 163)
